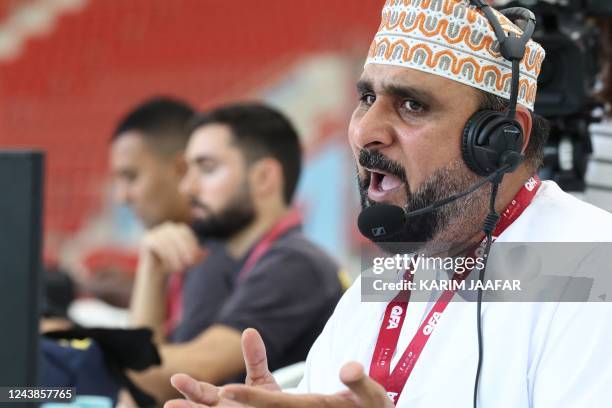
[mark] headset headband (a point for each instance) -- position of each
(511, 46)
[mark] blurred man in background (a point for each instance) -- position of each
(147, 161)
(243, 167)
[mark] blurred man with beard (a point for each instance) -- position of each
(147, 163)
(243, 165)
(432, 68)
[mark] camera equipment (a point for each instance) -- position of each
(566, 85)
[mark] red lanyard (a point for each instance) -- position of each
(291, 220)
(395, 313)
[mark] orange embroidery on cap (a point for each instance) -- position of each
(453, 39)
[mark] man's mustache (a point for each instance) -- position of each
(195, 203)
(374, 160)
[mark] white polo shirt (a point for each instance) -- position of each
(535, 354)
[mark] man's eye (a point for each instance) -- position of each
(128, 177)
(413, 106)
(207, 168)
(367, 99)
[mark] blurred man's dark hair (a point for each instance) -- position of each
(260, 131)
(162, 123)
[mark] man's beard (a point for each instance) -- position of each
(446, 181)
(234, 217)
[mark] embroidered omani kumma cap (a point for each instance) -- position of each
(451, 38)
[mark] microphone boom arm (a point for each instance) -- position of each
(497, 174)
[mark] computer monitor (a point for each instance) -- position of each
(21, 192)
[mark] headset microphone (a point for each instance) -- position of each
(382, 222)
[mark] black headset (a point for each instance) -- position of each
(491, 139)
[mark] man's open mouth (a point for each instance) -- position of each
(382, 184)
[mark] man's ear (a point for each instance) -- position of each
(524, 118)
(179, 164)
(266, 177)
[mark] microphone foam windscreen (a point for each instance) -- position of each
(379, 222)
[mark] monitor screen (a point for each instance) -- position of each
(21, 180)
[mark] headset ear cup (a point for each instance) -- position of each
(506, 138)
(489, 139)
(470, 140)
(465, 143)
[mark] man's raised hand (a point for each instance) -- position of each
(172, 247)
(363, 392)
(200, 394)
(261, 390)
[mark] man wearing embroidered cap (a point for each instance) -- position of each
(445, 105)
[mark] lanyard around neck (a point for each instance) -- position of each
(391, 326)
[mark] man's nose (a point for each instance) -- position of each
(121, 193)
(188, 183)
(374, 129)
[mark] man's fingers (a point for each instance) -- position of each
(250, 396)
(156, 245)
(352, 373)
(185, 243)
(254, 352)
(258, 397)
(175, 245)
(190, 240)
(171, 249)
(198, 392)
(181, 403)
(368, 392)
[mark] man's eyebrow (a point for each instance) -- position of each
(202, 159)
(397, 91)
(364, 86)
(408, 92)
